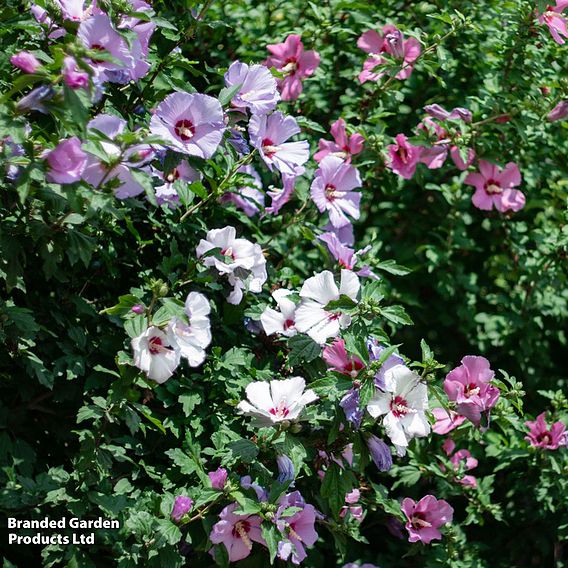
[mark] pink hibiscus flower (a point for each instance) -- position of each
(555, 21)
(494, 187)
(392, 43)
(296, 64)
(403, 157)
(237, 532)
(343, 146)
(540, 436)
(426, 517)
(469, 387)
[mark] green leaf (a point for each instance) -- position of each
(135, 326)
(272, 536)
(392, 267)
(243, 449)
(302, 349)
(124, 306)
(227, 93)
(342, 303)
(396, 314)
(167, 532)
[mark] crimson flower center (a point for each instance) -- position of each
(290, 66)
(173, 175)
(184, 129)
(155, 345)
(280, 411)
(493, 187)
(403, 154)
(330, 192)
(471, 390)
(418, 521)
(97, 47)
(228, 252)
(268, 148)
(399, 406)
(288, 324)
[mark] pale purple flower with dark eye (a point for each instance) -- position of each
(167, 194)
(258, 91)
(35, 100)
(380, 453)
(469, 387)
(559, 112)
(74, 78)
(191, 123)
(332, 190)
(66, 162)
(182, 506)
(285, 469)
(249, 198)
(218, 478)
(236, 532)
(25, 61)
(426, 517)
(279, 197)
(403, 157)
(298, 530)
(346, 256)
(495, 187)
(268, 134)
(97, 174)
(541, 436)
(97, 34)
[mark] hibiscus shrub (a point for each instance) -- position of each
(286, 282)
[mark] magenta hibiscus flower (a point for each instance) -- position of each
(403, 157)
(290, 59)
(391, 42)
(426, 517)
(541, 436)
(343, 146)
(556, 22)
(469, 387)
(191, 123)
(494, 187)
(237, 532)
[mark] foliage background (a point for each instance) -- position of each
(83, 436)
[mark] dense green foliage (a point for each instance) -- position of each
(83, 433)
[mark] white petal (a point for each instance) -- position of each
(349, 284)
(258, 394)
(379, 404)
(394, 430)
(321, 288)
(272, 321)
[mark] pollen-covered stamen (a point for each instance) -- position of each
(228, 252)
(173, 175)
(419, 522)
(280, 411)
(288, 324)
(403, 154)
(269, 148)
(544, 438)
(184, 129)
(293, 533)
(399, 407)
(331, 192)
(492, 187)
(242, 529)
(156, 346)
(471, 390)
(291, 66)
